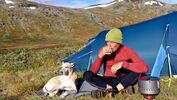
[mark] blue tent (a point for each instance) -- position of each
(149, 39)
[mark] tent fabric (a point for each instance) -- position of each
(158, 65)
(145, 38)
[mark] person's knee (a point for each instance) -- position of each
(88, 75)
(130, 79)
(136, 75)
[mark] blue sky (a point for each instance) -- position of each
(73, 3)
(169, 1)
(83, 3)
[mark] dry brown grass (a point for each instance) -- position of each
(50, 27)
(52, 23)
(21, 83)
(24, 85)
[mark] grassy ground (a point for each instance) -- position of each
(23, 85)
(26, 65)
(23, 82)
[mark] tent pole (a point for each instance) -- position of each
(169, 66)
(81, 56)
(89, 64)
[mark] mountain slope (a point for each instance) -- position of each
(25, 20)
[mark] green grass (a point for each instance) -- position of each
(29, 76)
(6, 37)
(24, 71)
(26, 65)
(24, 85)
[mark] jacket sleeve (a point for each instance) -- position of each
(97, 64)
(137, 64)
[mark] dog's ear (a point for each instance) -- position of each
(63, 64)
(58, 72)
(72, 64)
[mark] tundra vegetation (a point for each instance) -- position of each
(34, 42)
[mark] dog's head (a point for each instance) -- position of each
(66, 69)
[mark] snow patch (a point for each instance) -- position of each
(9, 2)
(32, 8)
(153, 2)
(120, 0)
(11, 6)
(101, 5)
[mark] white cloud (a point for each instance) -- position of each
(78, 4)
(104, 1)
(47, 1)
(72, 3)
(65, 3)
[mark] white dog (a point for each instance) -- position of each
(66, 82)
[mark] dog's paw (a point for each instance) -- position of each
(62, 96)
(46, 94)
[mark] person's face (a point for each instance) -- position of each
(113, 46)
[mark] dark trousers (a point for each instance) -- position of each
(102, 81)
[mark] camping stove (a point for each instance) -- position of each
(149, 88)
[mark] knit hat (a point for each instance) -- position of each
(114, 35)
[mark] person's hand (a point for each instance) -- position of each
(116, 67)
(105, 51)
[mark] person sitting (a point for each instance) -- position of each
(122, 65)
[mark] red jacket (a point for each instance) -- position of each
(131, 61)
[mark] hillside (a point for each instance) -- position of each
(59, 32)
(29, 21)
